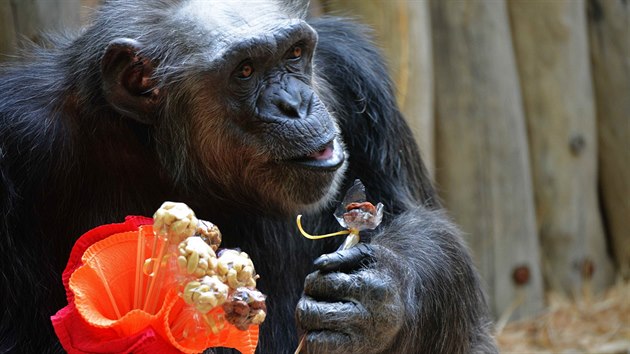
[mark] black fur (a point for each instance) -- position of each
(68, 163)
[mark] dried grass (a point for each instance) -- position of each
(590, 324)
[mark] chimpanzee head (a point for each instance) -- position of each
(230, 95)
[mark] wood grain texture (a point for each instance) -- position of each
(482, 159)
(402, 29)
(30, 19)
(7, 31)
(609, 33)
(551, 45)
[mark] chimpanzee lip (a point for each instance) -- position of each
(328, 157)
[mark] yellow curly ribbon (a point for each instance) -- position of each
(318, 237)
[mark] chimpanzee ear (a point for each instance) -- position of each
(128, 83)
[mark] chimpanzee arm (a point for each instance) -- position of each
(413, 288)
(444, 305)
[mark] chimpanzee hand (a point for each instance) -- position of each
(349, 304)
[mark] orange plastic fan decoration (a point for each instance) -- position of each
(125, 295)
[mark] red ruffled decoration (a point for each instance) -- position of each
(137, 331)
(78, 336)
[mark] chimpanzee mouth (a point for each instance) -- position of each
(329, 158)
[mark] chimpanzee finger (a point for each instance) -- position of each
(346, 260)
(328, 342)
(345, 317)
(343, 287)
(331, 286)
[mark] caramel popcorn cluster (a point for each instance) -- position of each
(213, 277)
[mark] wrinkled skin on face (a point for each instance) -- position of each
(259, 130)
(271, 140)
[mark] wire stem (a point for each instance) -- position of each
(318, 237)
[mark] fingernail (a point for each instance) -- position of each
(320, 261)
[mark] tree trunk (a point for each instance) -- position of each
(609, 29)
(482, 159)
(403, 31)
(553, 60)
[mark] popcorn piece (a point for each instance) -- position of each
(206, 293)
(236, 269)
(209, 233)
(196, 257)
(175, 219)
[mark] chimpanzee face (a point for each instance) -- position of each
(257, 129)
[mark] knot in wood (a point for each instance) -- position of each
(520, 275)
(577, 143)
(587, 268)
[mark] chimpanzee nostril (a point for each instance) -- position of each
(291, 104)
(287, 98)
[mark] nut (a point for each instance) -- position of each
(205, 294)
(245, 307)
(196, 257)
(210, 233)
(176, 220)
(236, 269)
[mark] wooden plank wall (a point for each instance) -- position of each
(532, 135)
(551, 45)
(403, 30)
(522, 113)
(28, 20)
(609, 28)
(482, 157)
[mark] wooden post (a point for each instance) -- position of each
(87, 9)
(315, 8)
(55, 15)
(482, 159)
(31, 18)
(7, 31)
(609, 30)
(551, 46)
(25, 18)
(403, 31)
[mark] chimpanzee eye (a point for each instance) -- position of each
(245, 71)
(295, 52)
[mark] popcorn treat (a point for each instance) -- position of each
(175, 219)
(205, 294)
(196, 257)
(236, 269)
(209, 233)
(176, 292)
(245, 307)
(230, 276)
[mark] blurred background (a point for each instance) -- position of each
(522, 112)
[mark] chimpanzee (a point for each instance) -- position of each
(251, 114)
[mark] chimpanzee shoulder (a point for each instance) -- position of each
(358, 90)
